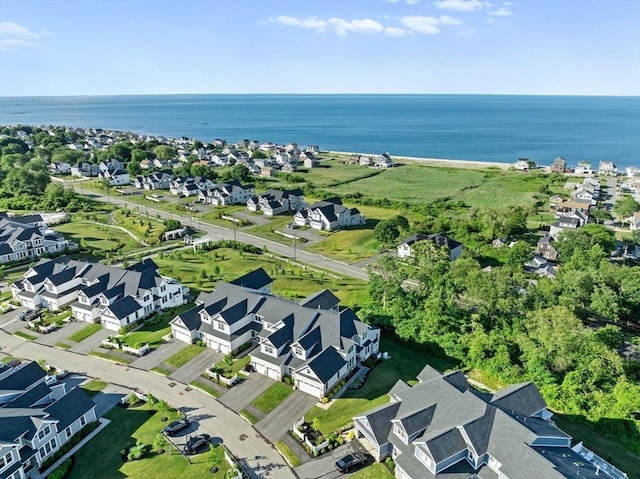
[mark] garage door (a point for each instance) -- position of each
(182, 336)
(309, 388)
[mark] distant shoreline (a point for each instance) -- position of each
(450, 163)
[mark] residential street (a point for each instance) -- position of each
(217, 233)
(242, 439)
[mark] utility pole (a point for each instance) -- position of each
(294, 246)
(234, 228)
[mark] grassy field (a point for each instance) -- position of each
(85, 332)
(272, 397)
(404, 364)
(289, 281)
(99, 237)
(100, 457)
(351, 246)
(185, 355)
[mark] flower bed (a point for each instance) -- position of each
(116, 343)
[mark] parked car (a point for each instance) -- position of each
(351, 462)
(30, 314)
(196, 443)
(176, 426)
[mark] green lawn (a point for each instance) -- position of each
(236, 366)
(252, 418)
(161, 370)
(85, 332)
(23, 335)
(100, 458)
(374, 471)
(100, 237)
(272, 397)
(404, 364)
(290, 456)
(116, 359)
(62, 346)
(154, 334)
(94, 386)
(291, 282)
(185, 355)
(350, 245)
(206, 388)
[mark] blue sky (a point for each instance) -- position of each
(557, 47)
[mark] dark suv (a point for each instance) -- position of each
(196, 443)
(351, 462)
(176, 426)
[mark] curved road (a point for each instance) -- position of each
(218, 232)
(242, 439)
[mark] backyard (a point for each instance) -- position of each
(404, 363)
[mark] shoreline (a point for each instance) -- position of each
(445, 162)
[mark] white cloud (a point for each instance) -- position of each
(421, 24)
(397, 32)
(460, 5)
(413, 2)
(364, 25)
(339, 25)
(13, 35)
(447, 20)
(502, 12)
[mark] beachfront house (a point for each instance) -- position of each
(607, 168)
(559, 165)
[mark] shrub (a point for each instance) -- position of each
(324, 400)
(62, 470)
(351, 435)
(138, 451)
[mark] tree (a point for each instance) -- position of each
(600, 215)
(165, 152)
(583, 239)
(240, 172)
(386, 232)
(625, 207)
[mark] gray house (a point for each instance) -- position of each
(442, 428)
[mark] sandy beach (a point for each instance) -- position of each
(448, 163)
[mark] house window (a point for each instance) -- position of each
(268, 349)
(219, 326)
(67, 431)
(83, 421)
(6, 459)
(42, 453)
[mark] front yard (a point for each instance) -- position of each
(404, 363)
(100, 458)
(272, 397)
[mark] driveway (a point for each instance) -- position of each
(108, 398)
(324, 467)
(278, 421)
(262, 458)
(61, 334)
(194, 368)
(240, 395)
(158, 355)
(92, 342)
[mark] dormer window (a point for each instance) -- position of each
(299, 352)
(399, 431)
(268, 349)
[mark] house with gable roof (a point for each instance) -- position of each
(21, 239)
(329, 215)
(113, 296)
(405, 249)
(229, 193)
(443, 428)
(36, 418)
(276, 202)
(313, 341)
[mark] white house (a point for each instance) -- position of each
(230, 193)
(329, 215)
(607, 168)
(114, 297)
(276, 202)
(312, 341)
(20, 241)
(405, 248)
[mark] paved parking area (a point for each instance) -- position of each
(324, 467)
(194, 368)
(278, 422)
(158, 355)
(108, 398)
(240, 395)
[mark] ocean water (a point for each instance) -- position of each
(467, 127)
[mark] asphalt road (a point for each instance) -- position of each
(217, 233)
(221, 423)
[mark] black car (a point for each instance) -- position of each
(196, 443)
(176, 426)
(351, 462)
